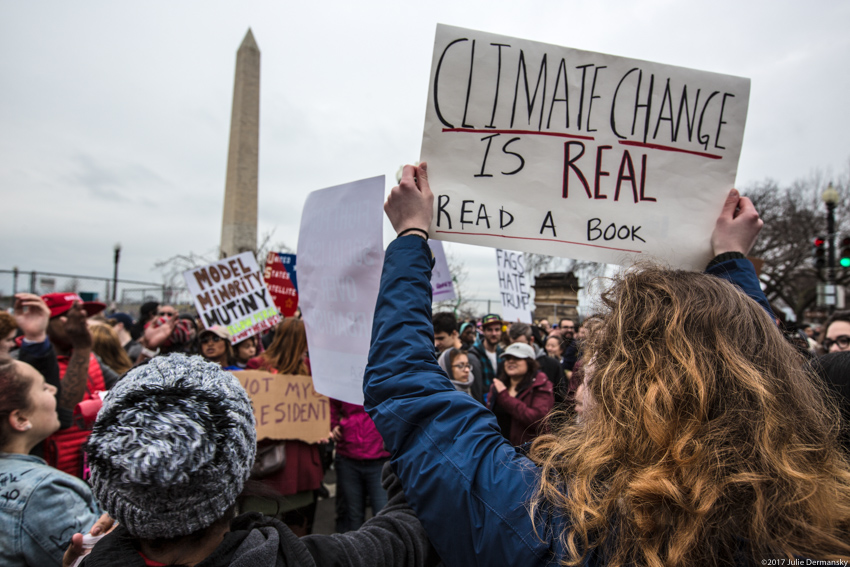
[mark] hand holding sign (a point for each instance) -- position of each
(411, 202)
(737, 227)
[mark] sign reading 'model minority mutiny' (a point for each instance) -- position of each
(231, 293)
(571, 153)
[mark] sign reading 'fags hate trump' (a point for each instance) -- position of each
(231, 293)
(577, 154)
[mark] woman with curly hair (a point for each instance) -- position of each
(703, 439)
(303, 473)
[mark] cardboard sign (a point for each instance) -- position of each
(231, 293)
(286, 406)
(513, 287)
(578, 154)
(280, 277)
(442, 286)
(340, 256)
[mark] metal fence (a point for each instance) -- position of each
(129, 294)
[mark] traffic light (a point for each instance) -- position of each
(819, 252)
(844, 256)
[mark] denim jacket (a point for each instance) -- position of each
(40, 509)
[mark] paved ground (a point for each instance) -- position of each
(325, 520)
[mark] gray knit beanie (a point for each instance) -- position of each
(172, 447)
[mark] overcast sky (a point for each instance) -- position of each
(115, 117)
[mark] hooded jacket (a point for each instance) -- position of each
(392, 538)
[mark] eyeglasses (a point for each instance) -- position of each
(843, 342)
(466, 366)
(166, 314)
(208, 338)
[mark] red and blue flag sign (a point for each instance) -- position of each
(281, 280)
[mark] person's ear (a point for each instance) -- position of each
(19, 422)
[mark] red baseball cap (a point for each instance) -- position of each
(60, 303)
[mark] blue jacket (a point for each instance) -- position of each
(40, 509)
(467, 484)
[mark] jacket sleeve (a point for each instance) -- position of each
(394, 537)
(541, 402)
(59, 507)
(741, 272)
(468, 485)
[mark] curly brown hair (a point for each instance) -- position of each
(707, 437)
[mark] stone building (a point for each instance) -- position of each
(556, 297)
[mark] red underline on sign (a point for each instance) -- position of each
(668, 149)
(523, 132)
(538, 239)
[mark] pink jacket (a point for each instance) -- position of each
(360, 440)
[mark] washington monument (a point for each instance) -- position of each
(239, 221)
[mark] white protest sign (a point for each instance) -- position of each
(578, 154)
(231, 293)
(340, 256)
(513, 287)
(442, 287)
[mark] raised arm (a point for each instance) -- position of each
(410, 205)
(468, 486)
(77, 374)
(734, 234)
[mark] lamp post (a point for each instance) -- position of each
(830, 198)
(115, 272)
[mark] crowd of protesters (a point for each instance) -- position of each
(682, 424)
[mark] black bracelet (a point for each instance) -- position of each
(406, 231)
(723, 257)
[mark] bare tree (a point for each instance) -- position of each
(793, 217)
(536, 264)
(172, 268)
(266, 245)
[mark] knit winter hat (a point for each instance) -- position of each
(172, 447)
